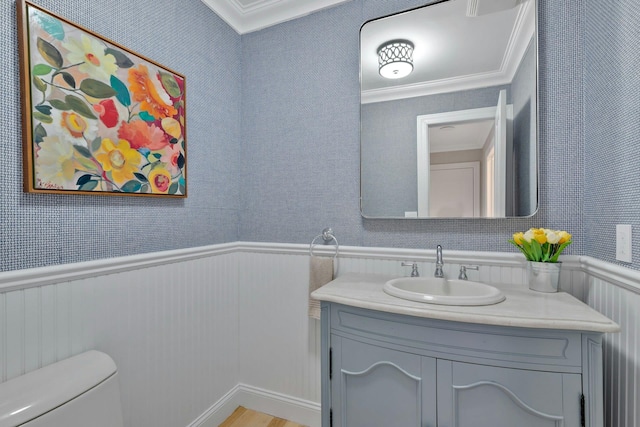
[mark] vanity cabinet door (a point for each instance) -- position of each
(379, 387)
(483, 396)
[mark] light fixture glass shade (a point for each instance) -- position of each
(395, 59)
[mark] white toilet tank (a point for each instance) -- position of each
(81, 391)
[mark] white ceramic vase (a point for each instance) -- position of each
(544, 276)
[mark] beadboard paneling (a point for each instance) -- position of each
(496, 272)
(279, 344)
(187, 327)
(171, 329)
(507, 275)
(621, 352)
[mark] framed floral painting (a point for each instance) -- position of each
(97, 117)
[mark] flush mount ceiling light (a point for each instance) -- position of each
(395, 59)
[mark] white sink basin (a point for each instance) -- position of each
(435, 290)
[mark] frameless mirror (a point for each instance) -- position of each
(456, 137)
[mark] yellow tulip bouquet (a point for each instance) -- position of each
(541, 244)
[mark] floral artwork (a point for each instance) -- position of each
(98, 118)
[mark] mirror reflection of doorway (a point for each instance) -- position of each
(463, 137)
(463, 55)
(489, 173)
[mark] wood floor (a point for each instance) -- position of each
(243, 417)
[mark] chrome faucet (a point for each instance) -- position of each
(439, 262)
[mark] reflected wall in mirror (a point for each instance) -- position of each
(457, 136)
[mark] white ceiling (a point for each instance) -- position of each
(246, 16)
(453, 51)
(457, 136)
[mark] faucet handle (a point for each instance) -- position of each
(463, 271)
(439, 262)
(414, 267)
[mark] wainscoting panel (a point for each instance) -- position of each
(172, 330)
(196, 331)
(279, 344)
(621, 352)
(499, 274)
(502, 270)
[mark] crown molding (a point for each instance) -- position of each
(261, 14)
(433, 87)
(524, 29)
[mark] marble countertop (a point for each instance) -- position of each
(521, 308)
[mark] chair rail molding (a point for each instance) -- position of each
(21, 279)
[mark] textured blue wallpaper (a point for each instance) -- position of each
(612, 126)
(300, 136)
(273, 136)
(38, 230)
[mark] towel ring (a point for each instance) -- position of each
(327, 236)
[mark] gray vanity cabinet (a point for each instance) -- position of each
(378, 386)
(389, 370)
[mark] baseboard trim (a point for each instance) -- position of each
(276, 404)
(219, 411)
(280, 405)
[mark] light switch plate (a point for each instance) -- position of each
(623, 243)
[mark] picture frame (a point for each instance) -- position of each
(97, 118)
